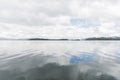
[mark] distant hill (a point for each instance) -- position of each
(47, 39)
(37, 39)
(91, 38)
(30, 39)
(51, 39)
(103, 38)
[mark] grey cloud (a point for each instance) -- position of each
(52, 14)
(29, 12)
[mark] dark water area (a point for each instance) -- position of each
(59, 60)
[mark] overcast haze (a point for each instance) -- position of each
(59, 18)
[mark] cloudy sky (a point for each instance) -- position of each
(59, 18)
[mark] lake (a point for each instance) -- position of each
(59, 60)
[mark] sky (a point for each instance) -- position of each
(59, 18)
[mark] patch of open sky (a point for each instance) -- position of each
(83, 22)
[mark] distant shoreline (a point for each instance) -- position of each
(86, 39)
(53, 40)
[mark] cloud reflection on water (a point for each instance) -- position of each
(59, 61)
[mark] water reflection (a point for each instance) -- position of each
(82, 57)
(54, 71)
(21, 60)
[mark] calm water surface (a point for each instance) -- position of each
(59, 60)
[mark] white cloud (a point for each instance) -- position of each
(52, 18)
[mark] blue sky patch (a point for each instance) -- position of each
(83, 22)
